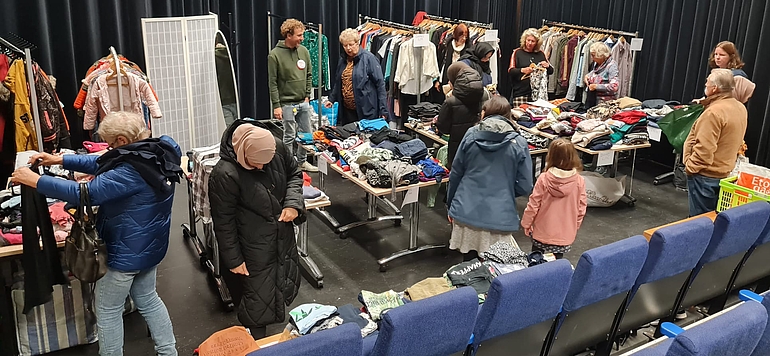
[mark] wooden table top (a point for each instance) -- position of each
(648, 233)
(431, 135)
(15, 250)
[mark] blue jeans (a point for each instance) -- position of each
(296, 118)
(702, 193)
(111, 292)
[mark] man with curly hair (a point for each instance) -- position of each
(290, 81)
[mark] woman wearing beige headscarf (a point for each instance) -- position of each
(255, 193)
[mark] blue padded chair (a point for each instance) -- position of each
(755, 267)
(763, 347)
(344, 340)
(600, 284)
(440, 325)
(673, 253)
(520, 310)
(735, 332)
(735, 232)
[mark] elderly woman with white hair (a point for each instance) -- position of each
(133, 186)
(524, 62)
(358, 82)
(602, 80)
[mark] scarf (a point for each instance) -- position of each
(253, 145)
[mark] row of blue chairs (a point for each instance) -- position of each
(552, 310)
(742, 330)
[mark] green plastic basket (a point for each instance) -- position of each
(732, 195)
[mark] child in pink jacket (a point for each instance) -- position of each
(558, 202)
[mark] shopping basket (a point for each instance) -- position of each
(732, 195)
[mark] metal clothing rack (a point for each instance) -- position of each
(487, 26)
(601, 30)
(118, 66)
(27, 55)
(312, 26)
(418, 51)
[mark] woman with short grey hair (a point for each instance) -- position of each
(133, 186)
(602, 81)
(358, 82)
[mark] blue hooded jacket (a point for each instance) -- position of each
(491, 168)
(368, 85)
(135, 197)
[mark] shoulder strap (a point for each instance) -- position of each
(85, 210)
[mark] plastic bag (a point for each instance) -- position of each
(328, 115)
(756, 178)
(677, 124)
(601, 191)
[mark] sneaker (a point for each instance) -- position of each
(307, 167)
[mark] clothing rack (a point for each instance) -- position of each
(118, 66)
(592, 29)
(417, 50)
(605, 31)
(487, 26)
(27, 53)
(400, 26)
(312, 26)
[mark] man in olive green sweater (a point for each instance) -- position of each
(711, 148)
(290, 80)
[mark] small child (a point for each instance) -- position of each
(558, 202)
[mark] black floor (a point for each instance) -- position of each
(350, 265)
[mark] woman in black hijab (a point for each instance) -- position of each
(477, 57)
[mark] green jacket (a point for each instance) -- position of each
(288, 83)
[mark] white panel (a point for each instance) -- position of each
(201, 35)
(179, 53)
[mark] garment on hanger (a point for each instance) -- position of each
(16, 81)
(100, 102)
(311, 42)
(53, 123)
(42, 267)
(406, 71)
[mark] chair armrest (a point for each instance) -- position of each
(670, 330)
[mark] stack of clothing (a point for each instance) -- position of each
(593, 134)
(311, 318)
(474, 273)
(628, 122)
(505, 257)
(424, 111)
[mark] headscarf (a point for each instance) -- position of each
(475, 54)
(454, 70)
(253, 145)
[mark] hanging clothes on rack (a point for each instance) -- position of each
(311, 42)
(53, 123)
(139, 96)
(16, 81)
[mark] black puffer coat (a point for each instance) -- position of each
(461, 110)
(245, 207)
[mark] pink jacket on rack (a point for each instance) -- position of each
(98, 102)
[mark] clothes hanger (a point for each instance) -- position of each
(115, 68)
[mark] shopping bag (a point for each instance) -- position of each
(602, 191)
(330, 114)
(233, 341)
(677, 124)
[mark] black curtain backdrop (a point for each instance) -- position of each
(678, 36)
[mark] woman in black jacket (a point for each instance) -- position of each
(520, 69)
(255, 192)
(461, 110)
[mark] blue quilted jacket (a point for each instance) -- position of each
(134, 219)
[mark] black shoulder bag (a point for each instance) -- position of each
(85, 253)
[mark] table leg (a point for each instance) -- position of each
(321, 211)
(371, 202)
(414, 221)
(308, 267)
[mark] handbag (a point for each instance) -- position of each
(84, 252)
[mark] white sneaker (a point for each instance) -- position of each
(307, 167)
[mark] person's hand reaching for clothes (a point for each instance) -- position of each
(288, 215)
(46, 159)
(24, 175)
